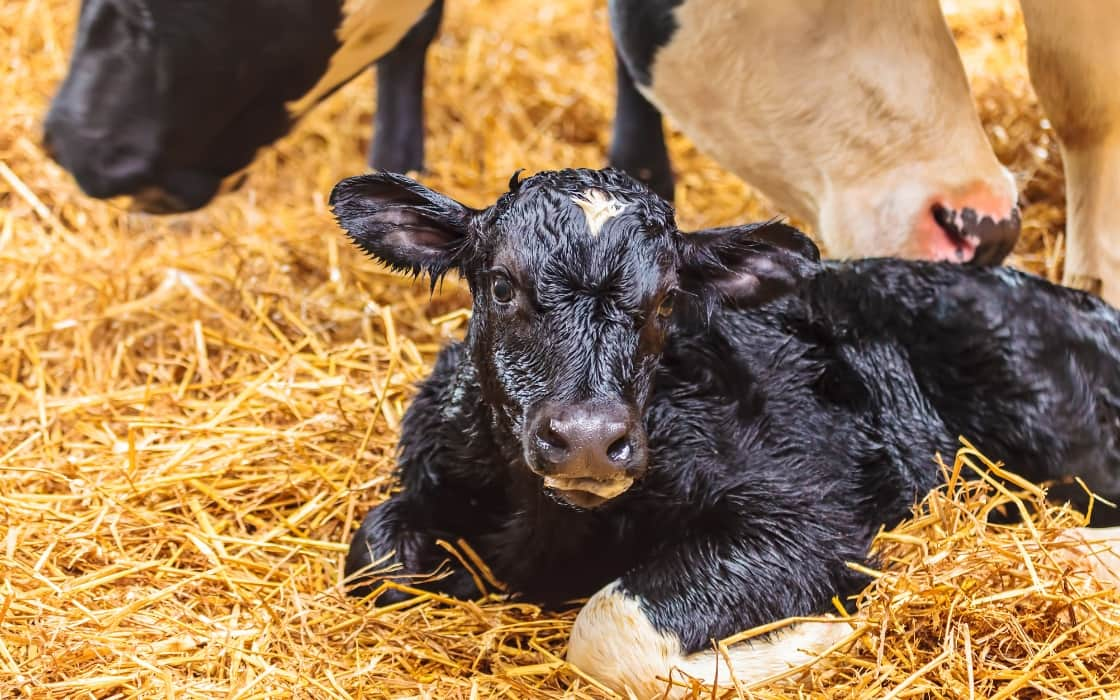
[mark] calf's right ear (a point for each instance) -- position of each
(747, 265)
(402, 223)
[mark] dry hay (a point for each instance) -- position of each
(197, 410)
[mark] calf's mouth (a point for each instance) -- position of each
(586, 491)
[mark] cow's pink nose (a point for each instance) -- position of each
(976, 225)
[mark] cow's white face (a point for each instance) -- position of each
(859, 121)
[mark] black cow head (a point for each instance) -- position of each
(575, 276)
(166, 98)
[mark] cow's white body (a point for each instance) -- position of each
(369, 30)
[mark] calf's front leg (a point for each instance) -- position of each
(666, 614)
(402, 532)
(447, 491)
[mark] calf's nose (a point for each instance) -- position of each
(597, 440)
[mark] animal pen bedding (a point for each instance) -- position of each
(195, 411)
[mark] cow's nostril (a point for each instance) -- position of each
(48, 145)
(970, 235)
(619, 450)
(963, 241)
(944, 217)
(156, 200)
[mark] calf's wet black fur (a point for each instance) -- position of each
(769, 411)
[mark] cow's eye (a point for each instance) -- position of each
(501, 287)
(665, 306)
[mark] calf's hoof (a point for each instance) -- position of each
(458, 584)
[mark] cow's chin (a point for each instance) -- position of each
(182, 191)
(586, 493)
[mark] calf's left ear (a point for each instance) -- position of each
(746, 265)
(402, 223)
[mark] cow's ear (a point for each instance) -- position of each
(402, 223)
(746, 265)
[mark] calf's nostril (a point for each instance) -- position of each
(551, 436)
(552, 446)
(619, 450)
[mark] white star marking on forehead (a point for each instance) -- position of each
(598, 207)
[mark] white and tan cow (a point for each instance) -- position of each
(858, 118)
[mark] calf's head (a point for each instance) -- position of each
(164, 99)
(577, 278)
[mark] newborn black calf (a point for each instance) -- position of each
(702, 429)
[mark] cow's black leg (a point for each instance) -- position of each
(398, 127)
(638, 143)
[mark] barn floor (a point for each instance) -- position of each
(196, 411)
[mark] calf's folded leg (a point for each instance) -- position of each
(667, 613)
(446, 494)
(615, 642)
(632, 644)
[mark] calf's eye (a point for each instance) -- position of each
(501, 288)
(665, 307)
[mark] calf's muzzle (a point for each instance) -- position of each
(587, 452)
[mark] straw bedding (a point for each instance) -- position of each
(196, 411)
